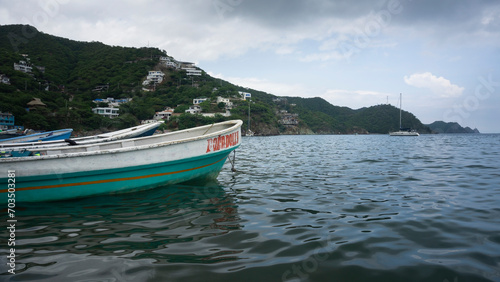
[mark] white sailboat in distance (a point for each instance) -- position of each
(403, 131)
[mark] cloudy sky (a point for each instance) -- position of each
(443, 55)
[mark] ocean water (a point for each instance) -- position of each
(298, 208)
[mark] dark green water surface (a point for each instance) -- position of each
(299, 208)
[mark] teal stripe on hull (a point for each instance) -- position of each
(83, 184)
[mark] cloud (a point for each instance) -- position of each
(438, 85)
(207, 30)
(275, 88)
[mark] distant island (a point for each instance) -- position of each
(48, 82)
(450, 127)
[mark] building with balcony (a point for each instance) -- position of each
(165, 114)
(6, 121)
(194, 110)
(245, 95)
(155, 77)
(192, 71)
(109, 112)
(198, 101)
(226, 101)
(169, 62)
(112, 102)
(23, 66)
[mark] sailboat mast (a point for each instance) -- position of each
(400, 106)
(248, 129)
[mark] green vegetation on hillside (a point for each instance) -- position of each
(78, 72)
(450, 127)
(323, 117)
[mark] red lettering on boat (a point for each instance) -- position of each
(222, 142)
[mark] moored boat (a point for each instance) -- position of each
(43, 136)
(131, 132)
(10, 133)
(403, 131)
(121, 166)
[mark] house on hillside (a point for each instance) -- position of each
(165, 114)
(192, 71)
(226, 101)
(6, 121)
(155, 77)
(101, 88)
(109, 112)
(198, 101)
(288, 119)
(4, 79)
(112, 102)
(245, 95)
(35, 103)
(23, 66)
(194, 110)
(169, 62)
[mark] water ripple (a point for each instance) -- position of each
(299, 208)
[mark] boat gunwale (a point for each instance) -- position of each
(236, 124)
(36, 134)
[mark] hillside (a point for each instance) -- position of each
(68, 75)
(322, 117)
(450, 127)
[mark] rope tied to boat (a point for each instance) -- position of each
(233, 161)
(209, 128)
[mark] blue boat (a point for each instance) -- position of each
(44, 136)
(131, 132)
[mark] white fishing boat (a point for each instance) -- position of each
(120, 166)
(10, 133)
(403, 131)
(131, 132)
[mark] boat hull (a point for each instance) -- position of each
(44, 136)
(133, 132)
(404, 133)
(53, 187)
(134, 168)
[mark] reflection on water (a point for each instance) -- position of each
(299, 208)
(123, 232)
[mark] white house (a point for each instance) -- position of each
(186, 64)
(154, 77)
(226, 114)
(23, 66)
(192, 71)
(106, 111)
(112, 102)
(198, 101)
(245, 95)
(165, 114)
(226, 101)
(169, 62)
(194, 110)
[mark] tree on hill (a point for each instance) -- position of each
(78, 72)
